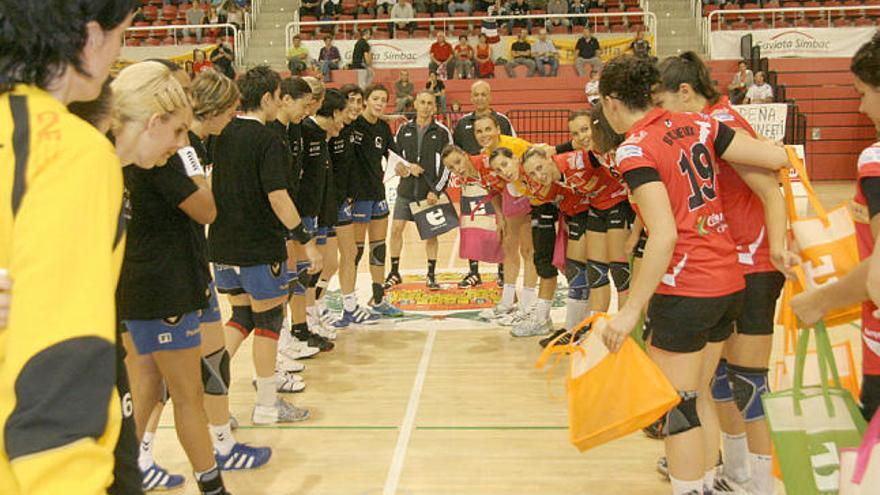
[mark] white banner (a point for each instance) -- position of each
(793, 42)
(768, 119)
(387, 54)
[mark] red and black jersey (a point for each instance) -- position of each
(681, 150)
(491, 181)
(747, 221)
(866, 204)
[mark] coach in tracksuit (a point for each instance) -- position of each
(420, 141)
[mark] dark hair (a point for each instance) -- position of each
(167, 63)
(372, 88)
(450, 149)
(489, 116)
(429, 93)
(603, 136)
(348, 89)
(631, 80)
(688, 68)
(254, 84)
(333, 102)
(578, 114)
(295, 87)
(40, 38)
(534, 151)
(500, 151)
(96, 110)
(866, 63)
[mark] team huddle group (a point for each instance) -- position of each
(664, 192)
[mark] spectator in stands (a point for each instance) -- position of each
(587, 48)
(519, 8)
(455, 114)
(138, 16)
(483, 58)
(403, 10)
(592, 88)
(482, 5)
(200, 61)
(437, 87)
(385, 6)
(404, 92)
(330, 10)
(223, 58)
(365, 8)
(195, 15)
(362, 58)
(234, 16)
(521, 54)
(459, 6)
(441, 54)
(438, 6)
(760, 91)
(464, 59)
(497, 8)
(188, 68)
(742, 80)
(579, 7)
(310, 7)
(545, 53)
(329, 58)
(557, 7)
(640, 47)
(297, 56)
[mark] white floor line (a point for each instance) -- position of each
(409, 419)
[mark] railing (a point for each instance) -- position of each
(649, 21)
(541, 126)
(237, 38)
(783, 14)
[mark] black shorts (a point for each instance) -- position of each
(577, 225)
(544, 238)
(870, 396)
(639, 250)
(619, 216)
(686, 324)
(759, 303)
(127, 476)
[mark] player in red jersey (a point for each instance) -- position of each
(689, 273)
(863, 283)
(741, 378)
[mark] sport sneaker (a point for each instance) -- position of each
(431, 282)
(326, 331)
(514, 318)
(663, 467)
(296, 349)
(281, 412)
(725, 484)
(496, 312)
(243, 456)
(470, 280)
(286, 383)
(386, 309)
(391, 280)
(291, 367)
(233, 422)
(550, 338)
(531, 327)
(329, 318)
(314, 340)
(360, 316)
(157, 478)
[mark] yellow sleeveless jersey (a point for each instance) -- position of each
(62, 243)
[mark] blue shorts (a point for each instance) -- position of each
(258, 281)
(343, 214)
(364, 211)
(211, 314)
(310, 224)
(167, 334)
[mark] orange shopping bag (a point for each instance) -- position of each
(609, 395)
(826, 242)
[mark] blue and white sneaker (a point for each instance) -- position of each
(243, 456)
(386, 309)
(158, 478)
(360, 316)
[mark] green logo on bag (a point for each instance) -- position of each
(826, 464)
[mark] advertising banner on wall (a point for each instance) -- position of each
(793, 42)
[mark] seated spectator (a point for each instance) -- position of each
(519, 8)
(587, 52)
(403, 10)
(384, 6)
(310, 7)
(235, 16)
(592, 88)
(200, 61)
(329, 58)
(459, 6)
(404, 92)
(557, 7)
(455, 114)
(521, 54)
(579, 7)
(223, 58)
(483, 58)
(742, 80)
(297, 57)
(640, 47)
(441, 54)
(195, 15)
(138, 16)
(760, 91)
(437, 87)
(482, 5)
(498, 8)
(438, 6)
(464, 59)
(545, 53)
(330, 10)
(366, 8)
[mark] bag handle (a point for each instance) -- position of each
(872, 438)
(798, 165)
(570, 348)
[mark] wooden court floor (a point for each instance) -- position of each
(435, 407)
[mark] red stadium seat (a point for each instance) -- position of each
(153, 42)
(814, 14)
(754, 16)
(401, 34)
(802, 23)
(169, 41)
(760, 25)
(601, 28)
(739, 26)
(189, 40)
(559, 30)
(841, 23)
(617, 19)
(381, 35)
(159, 33)
(132, 42)
(773, 4)
(619, 28)
(169, 12)
(151, 13)
(141, 34)
(864, 22)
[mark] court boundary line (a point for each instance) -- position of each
(395, 428)
(395, 470)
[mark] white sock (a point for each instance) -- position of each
(736, 456)
(221, 437)
(681, 487)
(762, 482)
(266, 391)
(349, 302)
(527, 296)
(542, 309)
(709, 480)
(575, 312)
(508, 295)
(312, 311)
(145, 455)
(321, 305)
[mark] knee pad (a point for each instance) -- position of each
(215, 372)
(302, 278)
(377, 253)
(620, 275)
(576, 274)
(748, 385)
(597, 274)
(682, 417)
(268, 323)
(360, 254)
(720, 385)
(544, 266)
(242, 320)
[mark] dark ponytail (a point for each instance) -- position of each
(604, 138)
(688, 68)
(631, 80)
(866, 63)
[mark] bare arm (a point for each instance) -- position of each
(746, 150)
(200, 205)
(284, 208)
